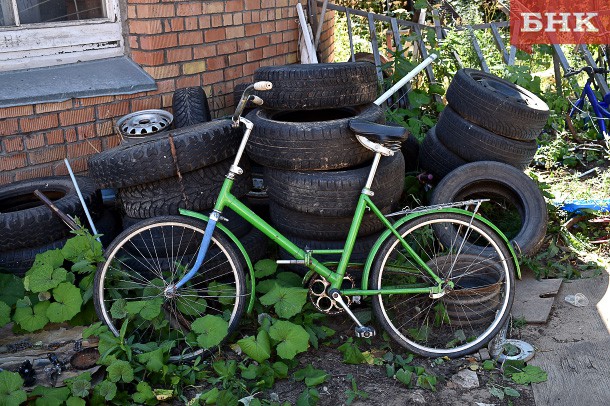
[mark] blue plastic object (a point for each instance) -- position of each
(576, 206)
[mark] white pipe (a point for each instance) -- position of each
(405, 79)
(80, 197)
(306, 35)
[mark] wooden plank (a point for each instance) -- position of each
(499, 43)
(561, 57)
(577, 374)
(350, 34)
(534, 298)
(397, 42)
(477, 50)
(320, 24)
(599, 78)
(437, 24)
(375, 47)
(424, 54)
(512, 54)
(557, 73)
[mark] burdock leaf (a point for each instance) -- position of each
(287, 302)
(259, 348)
(292, 338)
(68, 301)
(210, 330)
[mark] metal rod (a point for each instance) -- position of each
(320, 25)
(80, 197)
(63, 216)
(405, 79)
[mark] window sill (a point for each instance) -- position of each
(103, 77)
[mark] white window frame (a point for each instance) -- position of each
(58, 43)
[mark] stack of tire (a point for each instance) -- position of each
(28, 227)
(314, 167)
(483, 141)
(487, 119)
(179, 169)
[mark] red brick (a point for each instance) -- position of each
(254, 55)
(34, 172)
(107, 127)
(133, 42)
(9, 127)
(262, 41)
(76, 116)
(78, 165)
(85, 131)
(245, 44)
(54, 137)
(253, 4)
(143, 1)
(17, 111)
(268, 27)
(70, 134)
(88, 147)
(232, 6)
(235, 32)
(8, 163)
(93, 101)
(49, 154)
(173, 24)
(204, 51)
(33, 141)
(188, 81)
(132, 12)
(51, 107)
(191, 23)
(247, 17)
(39, 123)
(111, 142)
(238, 19)
(219, 62)
(213, 77)
(205, 22)
(166, 101)
(163, 72)
(6, 178)
(276, 37)
(179, 54)
(13, 144)
(234, 72)
(237, 59)
(152, 58)
(249, 68)
(155, 11)
(227, 47)
(164, 86)
(189, 9)
(145, 27)
(190, 38)
(159, 41)
(227, 19)
(213, 7)
(252, 29)
(113, 110)
(214, 35)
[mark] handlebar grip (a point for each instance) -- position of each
(572, 73)
(263, 85)
(256, 100)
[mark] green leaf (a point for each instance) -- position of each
(154, 360)
(497, 392)
(259, 348)
(436, 88)
(106, 389)
(418, 99)
(489, 365)
(84, 251)
(309, 397)
(74, 401)
(144, 393)
(80, 388)
(120, 371)
(290, 280)
(351, 353)
(5, 314)
(264, 267)
(292, 338)
(42, 278)
(427, 381)
(68, 301)
(512, 392)
(280, 369)
(226, 397)
(420, 4)
(50, 396)
(10, 388)
(53, 258)
(225, 369)
(191, 307)
(287, 302)
(404, 376)
(12, 289)
(311, 376)
(251, 372)
(31, 318)
(530, 374)
(118, 310)
(209, 397)
(210, 330)
(147, 309)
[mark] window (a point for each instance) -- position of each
(36, 33)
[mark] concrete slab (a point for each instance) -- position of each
(534, 299)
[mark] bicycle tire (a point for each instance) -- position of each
(463, 319)
(218, 290)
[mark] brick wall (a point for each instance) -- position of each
(214, 44)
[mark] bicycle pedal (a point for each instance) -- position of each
(365, 332)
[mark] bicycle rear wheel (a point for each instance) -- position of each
(466, 317)
(130, 287)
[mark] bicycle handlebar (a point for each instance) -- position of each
(588, 69)
(247, 96)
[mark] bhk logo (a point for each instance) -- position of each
(559, 22)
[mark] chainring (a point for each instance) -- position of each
(320, 299)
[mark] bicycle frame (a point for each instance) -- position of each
(601, 112)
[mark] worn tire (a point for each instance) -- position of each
(320, 227)
(190, 106)
(436, 158)
(474, 143)
(196, 146)
(26, 221)
(496, 104)
(318, 86)
(309, 140)
(335, 193)
(505, 184)
(166, 197)
(18, 262)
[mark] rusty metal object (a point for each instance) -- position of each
(63, 216)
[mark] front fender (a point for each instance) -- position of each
(239, 245)
(387, 233)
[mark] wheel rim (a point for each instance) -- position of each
(135, 287)
(462, 320)
(143, 123)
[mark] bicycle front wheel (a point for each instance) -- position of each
(467, 315)
(130, 289)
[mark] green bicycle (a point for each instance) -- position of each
(441, 279)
